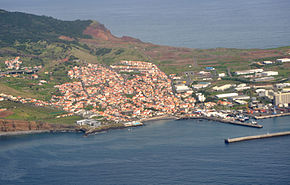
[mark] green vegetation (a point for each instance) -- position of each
(28, 88)
(30, 112)
(17, 26)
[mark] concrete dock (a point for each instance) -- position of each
(238, 139)
(272, 116)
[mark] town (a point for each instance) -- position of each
(130, 92)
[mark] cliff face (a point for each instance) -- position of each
(18, 125)
(99, 31)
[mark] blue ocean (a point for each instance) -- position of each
(162, 152)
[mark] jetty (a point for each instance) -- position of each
(246, 138)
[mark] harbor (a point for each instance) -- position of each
(246, 138)
(224, 120)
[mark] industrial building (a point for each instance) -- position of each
(270, 73)
(181, 88)
(242, 97)
(282, 99)
(201, 85)
(267, 62)
(264, 79)
(283, 60)
(250, 71)
(223, 87)
(226, 95)
(88, 122)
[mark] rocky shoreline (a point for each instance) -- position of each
(19, 127)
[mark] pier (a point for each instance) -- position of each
(238, 139)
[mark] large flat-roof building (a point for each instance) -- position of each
(270, 73)
(88, 122)
(282, 98)
(264, 79)
(283, 60)
(226, 95)
(250, 71)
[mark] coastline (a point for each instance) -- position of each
(88, 131)
(16, 133)
(30, 132)
(157, 118)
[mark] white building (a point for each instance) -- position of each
(282, 85)
(264, 79)
(181, 88)
(201, 85)
(242, 97)
(283, 60)
(286, 90)
(226, 95)
(250, 71)
(267, 62)
(222, 74)
(200, 97)
(270, 73)
(223, 87)
(242, 88)
(88, 122)
(282, 98)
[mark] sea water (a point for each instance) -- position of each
(162, 152)
(184, 23)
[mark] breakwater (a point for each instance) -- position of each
(239, 139)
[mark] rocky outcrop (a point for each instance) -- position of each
(99, 31)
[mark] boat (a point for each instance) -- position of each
(253, 122)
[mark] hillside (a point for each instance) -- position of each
(21, 27)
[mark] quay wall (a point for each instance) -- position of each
(272, 116)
